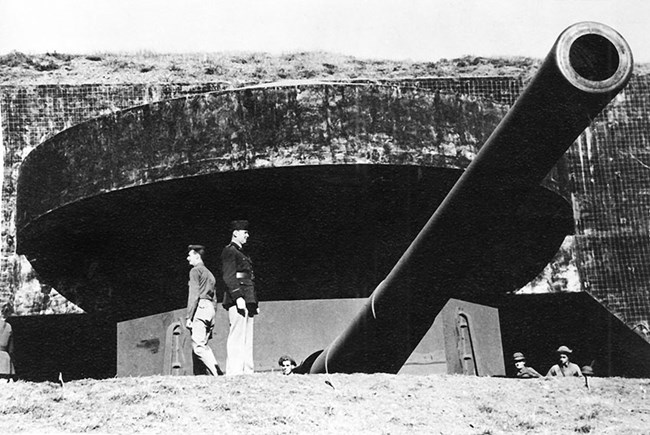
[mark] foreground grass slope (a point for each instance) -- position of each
(375, 404)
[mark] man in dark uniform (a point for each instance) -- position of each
(200, 308)
(240, 300)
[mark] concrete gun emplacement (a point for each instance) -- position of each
(452, 256)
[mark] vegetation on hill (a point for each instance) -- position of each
(270, 403)
(238, 68)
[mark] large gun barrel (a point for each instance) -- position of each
(588, 65)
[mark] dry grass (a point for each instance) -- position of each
(237, 68)
(373, 404)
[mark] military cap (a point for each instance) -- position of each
(239, 225)
(196, 248)
(564, 349)
(518, 356)
(587, 371)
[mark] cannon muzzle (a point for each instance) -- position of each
(454, 254)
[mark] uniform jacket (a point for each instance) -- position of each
(201, 286)
(570, 370)
(528, 372)
(238, 275)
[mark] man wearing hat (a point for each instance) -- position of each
(524, 371)
(200, 308)
(564, 367)
(240, 300)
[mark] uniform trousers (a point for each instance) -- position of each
(240, 343)
(202, 326)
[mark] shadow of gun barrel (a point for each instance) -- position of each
(588, 65)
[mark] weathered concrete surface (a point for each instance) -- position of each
(296, 328)
(252, 128)
(336, 179)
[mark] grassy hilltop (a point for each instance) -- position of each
(270, 403)
(237, 68)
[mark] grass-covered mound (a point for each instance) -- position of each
(237, 68)
(270, 403)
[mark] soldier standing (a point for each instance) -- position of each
(200, 308)
(240, 301)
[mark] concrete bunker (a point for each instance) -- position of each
(105, 206)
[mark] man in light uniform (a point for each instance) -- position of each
(200, 308)
(564, 367)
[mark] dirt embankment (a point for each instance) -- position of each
(369, 404)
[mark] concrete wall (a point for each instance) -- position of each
(538, 324)
(484, 332)
(296, 328)
(299, 328)
(74, 345)
(85, 346)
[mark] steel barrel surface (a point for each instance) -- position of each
(451, 256)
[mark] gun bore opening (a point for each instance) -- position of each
(594, 57)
